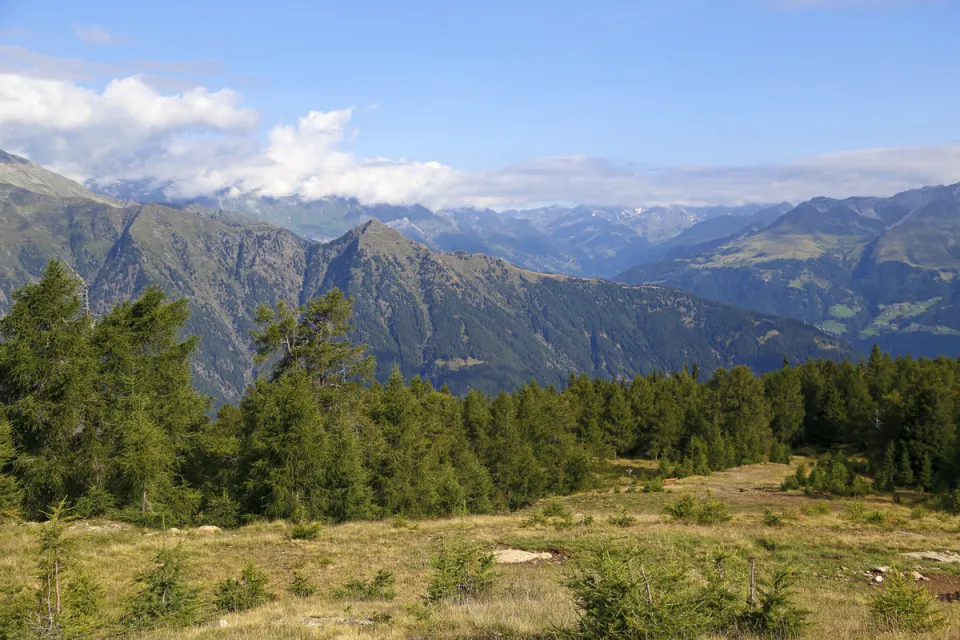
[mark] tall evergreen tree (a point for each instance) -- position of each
(48, 390)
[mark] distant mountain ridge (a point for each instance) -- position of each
(884, 270)
(457, 318)
(581, 240)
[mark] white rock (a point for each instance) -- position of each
(936, 556)
(516, 556)
(878, 578)
(918, 577)
(208, 528)
(223, 623)
(880, 569)
(173, 530)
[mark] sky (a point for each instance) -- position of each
(496, 103)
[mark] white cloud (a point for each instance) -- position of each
(199, 142)
(94, 34)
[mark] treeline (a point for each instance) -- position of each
(104, 415)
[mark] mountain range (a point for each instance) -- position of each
(589, 241)
(869, 270)
(457, 318)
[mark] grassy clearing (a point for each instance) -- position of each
(829, 549)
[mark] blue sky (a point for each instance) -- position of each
(664, 92)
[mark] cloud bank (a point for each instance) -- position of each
(201, 142)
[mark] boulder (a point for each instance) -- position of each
(517, 556)
(208, 528)
(936, 556)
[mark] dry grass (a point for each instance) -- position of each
(829, 550)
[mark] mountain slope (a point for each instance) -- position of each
(884, 270)
(457, 318)
(467, 319)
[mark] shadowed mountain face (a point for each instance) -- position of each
(456, 318)
(871, 270)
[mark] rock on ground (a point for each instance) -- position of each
(516, 556)
(208, 528)
(935, 556)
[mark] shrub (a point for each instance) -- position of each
(772, 519)
(380, 587)
(555, 509)
(246, 592)
(165, 599)
(95, 502)
(876, 517)
(777, 615)
(790, 483)
(653, 485)
(619, 597)
(903, 606)
(221, 511)
(683, 508)
(401, 522)
(780, 453)
(305, 531)
(861, 486)
(301, 585)
(705, 511)
(919, 512)
(622, 519)
(819, 508)
(460, 572)
(856, 511)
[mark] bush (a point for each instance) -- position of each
(401, 522)
(246, 592)
(96, 502)
(553, 513)
(903, 606)
(790, 483)
(380, 587)
(622, 519)
(705, 511)
(555, 509)
(460, 572)
(861, 486)
(780, 453)
(876, 517)
(221, 511)
(165, 599)
(777, 614)
(305, 531)
(619, 597)
(856, 511)
(301, 585)
(653, 485)
(919, 512)
(772, 519)
(819, 508)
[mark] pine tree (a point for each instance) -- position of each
(925, 475)
(10, 491)
(784, 394)
(905, 476)
(48, 389)
(346, 484)
(886, 477)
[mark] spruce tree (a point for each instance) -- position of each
(905, 477)
(10, 492)
(885, 478)
(48, 390)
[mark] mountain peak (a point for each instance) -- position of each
(24, 174)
